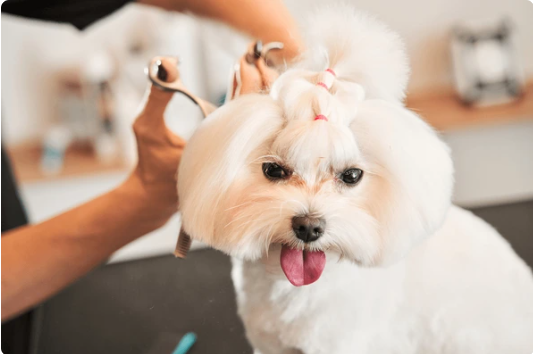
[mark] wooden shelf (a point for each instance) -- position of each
(445, 112)
(26, 162)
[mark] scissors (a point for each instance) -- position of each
(165, 77)
(254, 72)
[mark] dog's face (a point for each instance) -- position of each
(366, 185)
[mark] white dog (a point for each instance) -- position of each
(334, 200)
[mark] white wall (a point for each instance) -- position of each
(493, 164)
(33, 51)
(425, 26)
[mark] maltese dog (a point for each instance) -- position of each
(334, 201)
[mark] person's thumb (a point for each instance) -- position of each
(158, 99)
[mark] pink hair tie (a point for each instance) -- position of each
(321, 117)
(329, 70)
(321, 84)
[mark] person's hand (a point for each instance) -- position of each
(39, 260)
(253, 74)
(154, 180)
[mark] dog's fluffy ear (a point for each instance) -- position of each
(413, 174)
(360, 48)
(216, 153)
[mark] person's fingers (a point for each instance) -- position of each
(251, 81)
(150, 123)
(268, 74)
(157, 102)
(168, 69)
(175, 140)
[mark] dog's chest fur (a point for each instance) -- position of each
(354, 301)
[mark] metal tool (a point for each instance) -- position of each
(169, 80)
(260, 51)
(165, 77)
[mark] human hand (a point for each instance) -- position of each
(153, 181)
(253, 74)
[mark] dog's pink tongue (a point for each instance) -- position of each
(302, 267)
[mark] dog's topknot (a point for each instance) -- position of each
(359, 48)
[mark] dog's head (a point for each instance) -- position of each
(366, 183)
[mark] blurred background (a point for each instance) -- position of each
(69, 99)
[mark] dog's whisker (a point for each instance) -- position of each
(244, 215)
(238, 205)
(235, 219)
(304, 207)
(242, 224)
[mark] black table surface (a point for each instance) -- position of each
(145, 306)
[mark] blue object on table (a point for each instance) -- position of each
(186, 342)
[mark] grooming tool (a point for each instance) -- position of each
(260, 51)
(183, 245)
(186, 342)
(163, 73)
(160, 74)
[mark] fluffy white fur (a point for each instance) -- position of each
(406, 272)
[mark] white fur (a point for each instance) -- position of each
(405, 272)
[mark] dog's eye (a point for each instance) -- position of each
(352, 176)
(274, 171)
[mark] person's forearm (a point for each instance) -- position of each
(41, 259)
(268, 20)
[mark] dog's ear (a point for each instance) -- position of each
(413, 174)
(217, 153)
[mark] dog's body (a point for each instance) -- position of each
(462, 291)
(334, 200)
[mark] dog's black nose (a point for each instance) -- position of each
(307, 228)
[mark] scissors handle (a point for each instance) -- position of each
(164, 74)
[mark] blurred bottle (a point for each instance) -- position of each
(55, 144)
